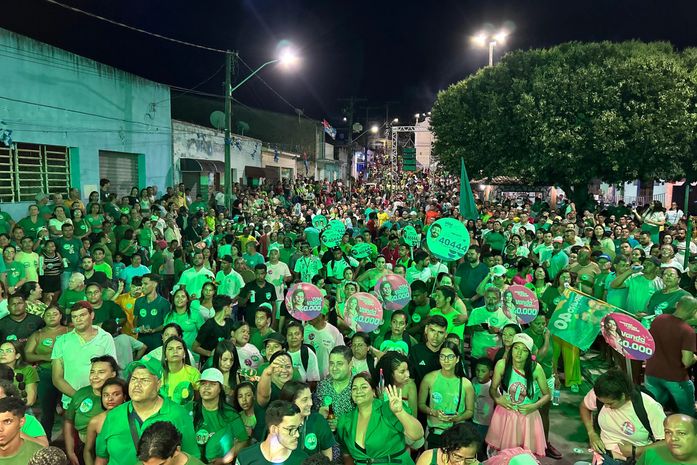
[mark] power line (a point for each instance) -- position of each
(296, 109)
(132, 28)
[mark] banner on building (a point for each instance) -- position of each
(331, 132)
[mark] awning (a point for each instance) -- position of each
(254, 172)
(201, 166)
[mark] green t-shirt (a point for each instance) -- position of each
(115, 442)
(546, 361)
(32, 427)
(95, 223)
(108, 311)
(15, 273)
(496, 240)
(216, 434)
(151, 314)
(257, 339)
(84, 406)
(30, 228)
(25, 452)
(81, 228)
(315, 435)
(659, 455)
(29, 375)
(70, 251)
(68, 298)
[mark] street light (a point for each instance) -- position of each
(395, 121)
(483, 38)
(287, 57)
(374, 129)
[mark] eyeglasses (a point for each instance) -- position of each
(455, 458)
(293, 430)
(447, 357)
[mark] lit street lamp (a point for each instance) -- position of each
(287, 57)
(482, 39)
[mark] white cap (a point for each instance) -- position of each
(212, 374)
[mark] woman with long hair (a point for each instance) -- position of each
(38, 351)
(519, 388)
(315, 434)
(95, 218)
(26, 379)
(82, 227)
(181, 313)
(219, 428)
(446, 396)
(179, 377)
(204, 304)
(252, 415)
(225, 359)
(600, 242)
(507, 334)
(540, 283)
(114, 393)
(144, 201)
(56, 223)
(377, 430)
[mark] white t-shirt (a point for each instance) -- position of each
(229, 284)
(623, 425)
(249, 356)
(483, 403)
(275, 275)
(125, 346)
(312, 373)
(323, 341)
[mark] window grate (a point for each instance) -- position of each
(27, 169)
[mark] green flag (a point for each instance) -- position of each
(468, 209)
(577, 318)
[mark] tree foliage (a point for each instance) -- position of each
(573, 113)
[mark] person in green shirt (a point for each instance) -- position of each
(679, 447)
(219, 428)
(86, 403)
(262, 326)
(13, 449)
(161, 444)
(14, 270)
(115, 442)
(315, 434)
(32, 223)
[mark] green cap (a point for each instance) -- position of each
(152, 365)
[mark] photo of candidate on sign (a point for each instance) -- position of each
(319, 222)
(304, 301)
(393, 291)
(363, 312)
(521, 303)
(448, 239)
(627, 336)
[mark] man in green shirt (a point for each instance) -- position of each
(680, 446)
(13, 449)
(116, 441)
(149, 312)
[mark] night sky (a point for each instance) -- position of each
(381, 50)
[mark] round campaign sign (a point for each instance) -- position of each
(411, 237)
(361, 250)
(319, 221)
(448, 239)
(331, 237)
(627, 336)
(393, 291)
(304, 301)
(363, 312)
(521, 302)
(337, 225)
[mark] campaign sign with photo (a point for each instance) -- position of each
(520, 302)
(304, 301)
(361, 250)
(319, 222)
(448, 239)
(331, 237)
(411, 237)
(393, 291)
(627, 336)
(363, 312)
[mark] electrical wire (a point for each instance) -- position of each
(295, 109)
(132, 28)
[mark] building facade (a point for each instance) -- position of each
(67, 121)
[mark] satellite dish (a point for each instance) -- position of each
(217, 119)
(357, 127)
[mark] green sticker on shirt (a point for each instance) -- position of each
(311, 441)
(86, 405)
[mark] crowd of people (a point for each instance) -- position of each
(154, 328)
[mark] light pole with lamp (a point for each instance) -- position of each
(484, 38)
(288, 57)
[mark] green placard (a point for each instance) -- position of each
(319, 222)
(411, 237)
(361, 250)
(448, 239)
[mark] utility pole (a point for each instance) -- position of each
(350, 110)
(230, 62)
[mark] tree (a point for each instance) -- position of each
(574, 113)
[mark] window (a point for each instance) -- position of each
(27, 169)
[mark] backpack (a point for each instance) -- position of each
(305, 355)
(639, 408)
